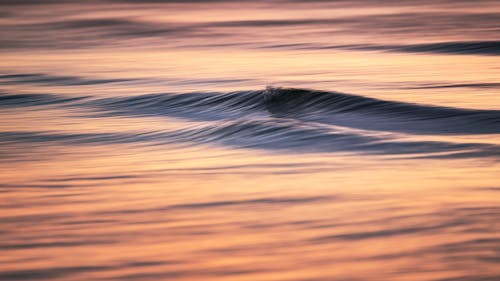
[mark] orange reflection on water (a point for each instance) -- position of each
(332, 217)
(108, 171)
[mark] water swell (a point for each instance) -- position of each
(330, 108)
(274, 119)
(26, 100)
(310, 106)
(289, 136)
(196, 106)
(300, 137)
(293, 101)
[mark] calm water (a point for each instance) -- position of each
(269, 140)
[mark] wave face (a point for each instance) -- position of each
(277, 119)
(331, 108)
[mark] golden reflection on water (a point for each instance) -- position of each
(97, 189)
(159, 216)
(128, 211)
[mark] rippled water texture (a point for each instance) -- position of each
(249, 140)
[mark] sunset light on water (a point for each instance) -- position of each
(250, 140)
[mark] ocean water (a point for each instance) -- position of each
(250, 140)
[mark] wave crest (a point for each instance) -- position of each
(331, 108)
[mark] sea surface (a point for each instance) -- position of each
(250, 140)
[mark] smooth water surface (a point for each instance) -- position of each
(249, 140)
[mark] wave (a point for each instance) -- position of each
(295, 136)
(324, 107)
(46, 79)
(271, 135)
(456, 48)
(274, 119)
(193, 106)
(490, 48)
(330, 108)
(24, 100)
